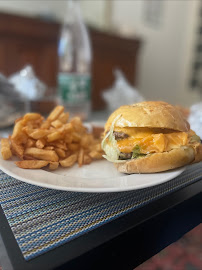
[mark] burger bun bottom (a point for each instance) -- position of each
(158, 162)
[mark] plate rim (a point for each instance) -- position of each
(178, 171)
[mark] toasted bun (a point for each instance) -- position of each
(158, 162)
(151, 114)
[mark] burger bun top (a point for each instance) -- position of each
(150, 114)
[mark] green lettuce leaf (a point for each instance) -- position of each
(137, 153)
(110, 146)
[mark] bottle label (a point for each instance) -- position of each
(74, 88)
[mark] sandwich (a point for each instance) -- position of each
(149, 137)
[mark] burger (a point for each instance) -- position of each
(149, 137)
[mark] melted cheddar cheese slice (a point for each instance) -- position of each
(151, 140)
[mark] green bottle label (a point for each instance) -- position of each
(74, 88)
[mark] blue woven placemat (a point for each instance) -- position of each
(42, 219)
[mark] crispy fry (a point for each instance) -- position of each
(38, 134)
(64, 117)
(27, 157)
(17, 149)
(53, 165)
(40, 143)
(5, 148)
(67, 128)
(95, 155)
(77, 124)
(17, 131)
(60, 152)
(80, 157)
(45, 125)
(56, 124)
(49, 147)
(54, 136)
(55, 113)
(73, 147)
(69, 161)
(86, 141)
(43, 154)
(18, 119)
(76, 137)
(54, 141)
(97, 147)
(31, 164)
(30, 142)
(87, 159)
(68, 138)
(27, 129)
(18, 134)
(32, 117)
(59, 144)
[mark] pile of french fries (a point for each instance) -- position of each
(51, 142)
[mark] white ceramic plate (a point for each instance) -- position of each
(99, 176)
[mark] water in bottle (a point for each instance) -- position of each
(74, 51)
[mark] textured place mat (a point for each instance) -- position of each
(42, 219)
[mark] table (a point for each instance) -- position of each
(122, 243)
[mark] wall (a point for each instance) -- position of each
(166, 55)
(34, 7)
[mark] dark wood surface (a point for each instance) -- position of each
(25, 40)
(123, 243)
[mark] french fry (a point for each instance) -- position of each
(87, 159)
(27, 129)
(73, 147)
(69, 161)
(68, 153)
(97, 147)
(17, 149)
(32, 117)
(18, 134)
(80, 157)
(59, 144)
(30, 143)
(86, 141)
(56, 124)
(54, 136)
(77, 124)
(55, 113)
(43, 154)
(18, 119)
(45, 125)
(60, 152)
(53, 165)
(67, 128)
(49, 147)
(68, 138)
(76, 137)
(27, 157)
(54, 141)
(5, 149)
(64, 117)
(38, 133)
(40, 143)
(17, 131)
(95, 155)
(31, 164)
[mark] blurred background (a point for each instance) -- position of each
(156, 44)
